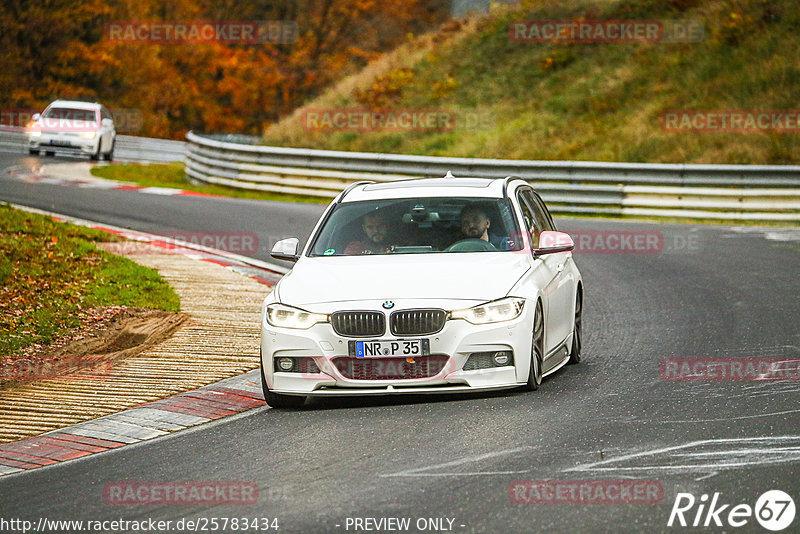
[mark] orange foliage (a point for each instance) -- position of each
(62, 50)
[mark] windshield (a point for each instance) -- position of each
(70, 118)
(418, 226)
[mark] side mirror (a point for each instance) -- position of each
(36, 116)
(551, 242)
(108, 122)
(286, 249)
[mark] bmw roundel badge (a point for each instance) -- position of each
(388, 305)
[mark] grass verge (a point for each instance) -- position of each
(51, 272)
(564, 100)
(172, 175)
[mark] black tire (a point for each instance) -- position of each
(110, 154)
(50, 153)
(537, 350)
(276, 400)
(577, 338)
(96, 155)
(33, 151)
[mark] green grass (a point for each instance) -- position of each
(582, 101)
(51, 271)
(172, 175)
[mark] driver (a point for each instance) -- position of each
(475, 223)
(375, 227)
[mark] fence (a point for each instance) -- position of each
(724, 192)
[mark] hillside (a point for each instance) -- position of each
(603, 101)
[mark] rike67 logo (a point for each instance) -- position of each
(774, 510)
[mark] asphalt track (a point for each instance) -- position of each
(710, 291)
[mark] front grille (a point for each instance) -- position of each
(390, 368)
(358, 323)
(417, 322)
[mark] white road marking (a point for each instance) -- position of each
(742, 452)
(419, 471)
(756, 416)
(715, 473)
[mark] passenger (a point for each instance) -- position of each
(375, 228)
(475, 223)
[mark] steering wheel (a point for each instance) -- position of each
(471, 245)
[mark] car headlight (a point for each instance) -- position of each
(284, 316)
(495, 311)
(88, 135)
(33, 129)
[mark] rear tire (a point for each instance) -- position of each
(577, 336)
(537, 350)
(276, 400)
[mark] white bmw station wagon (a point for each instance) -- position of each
(423, 286)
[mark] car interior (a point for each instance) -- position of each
(418, 226)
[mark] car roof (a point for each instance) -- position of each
(76, 104)
(428, 187)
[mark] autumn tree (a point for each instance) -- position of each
(60, 49)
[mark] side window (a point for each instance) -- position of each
(530, 220)
(533, 209)
(541, 208)
(540, 218)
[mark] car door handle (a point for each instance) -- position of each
(560, 267)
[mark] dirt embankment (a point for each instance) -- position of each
(109, 334)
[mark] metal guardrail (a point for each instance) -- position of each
(128, 147)
(132, 148)
(729, 192)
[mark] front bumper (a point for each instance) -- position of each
(455, 343)
(63, 141)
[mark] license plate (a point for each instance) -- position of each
(400, 348)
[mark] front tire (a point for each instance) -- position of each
(276, 400)
(537, 350)
(577, 336)
(110, 154)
